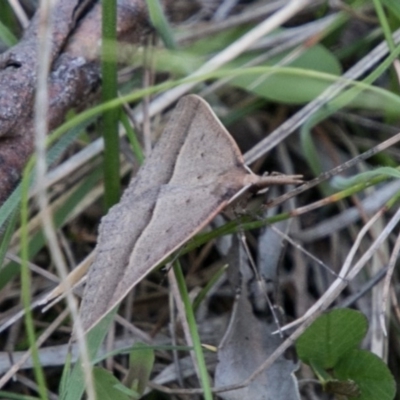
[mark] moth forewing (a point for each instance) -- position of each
(194, 170)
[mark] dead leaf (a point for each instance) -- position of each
(249, 341)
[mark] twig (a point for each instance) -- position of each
(19, 12)
(335, 171)
(42, 338)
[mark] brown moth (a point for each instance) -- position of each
(194, 171)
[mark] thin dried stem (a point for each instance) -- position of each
(386, 288)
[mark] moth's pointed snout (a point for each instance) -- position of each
(261, 182)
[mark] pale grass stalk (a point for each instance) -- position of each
(386, 288)
(41, 339)
(342, 277)
(19, 13)
(396, 65)
(41, 129)
(379, 342)
(34, 224)
(246, 17)
(303, 250)
(223, 10)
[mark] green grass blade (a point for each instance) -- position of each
(109, 92)
(205, 381)
(7, 236)
(160, 22)
(384, 24)
(130, 133)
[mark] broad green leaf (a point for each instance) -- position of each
(65, 374)
(178, 62)
(331, 336)
(220, 41)
(293, 89)
(132, 394)
(186, 60)
(369, 372)
(74, 384)
(141, 362)
(105, 385)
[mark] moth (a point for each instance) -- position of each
(193, 172)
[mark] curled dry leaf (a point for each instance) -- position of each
(194, 171)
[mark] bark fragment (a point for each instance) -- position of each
(74, 77)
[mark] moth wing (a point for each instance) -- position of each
(195, 168)
(208, 151)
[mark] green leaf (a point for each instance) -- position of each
(16, 396)
(322, 375)
(393, 6)
(176, 62)
(141, 361)
(331, 336)
(109, 91)
(105, 385)
(183, 61)
(132, 137)
(65, 374)
(220, 40)
(293, 89)
(6, 238)
(6, 36)
(132, 394)
(74, 385)
(369, 372)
